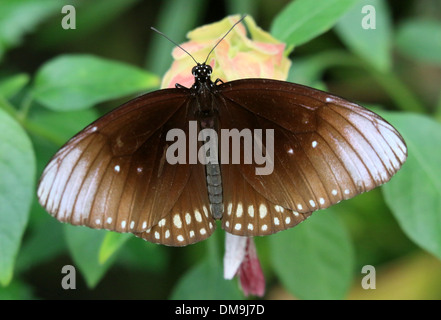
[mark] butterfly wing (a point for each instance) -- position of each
(114, 174)
(190, 220)
(326, 149)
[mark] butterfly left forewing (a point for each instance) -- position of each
(326, 149)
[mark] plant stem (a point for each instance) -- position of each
(20, 117)
(41, 131)
(401, 95)
(25, 106)
(8, 107)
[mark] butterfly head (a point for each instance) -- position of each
(202, 73)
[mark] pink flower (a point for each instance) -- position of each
(241, 259)
(236, 57)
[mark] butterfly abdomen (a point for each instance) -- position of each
(214, 187)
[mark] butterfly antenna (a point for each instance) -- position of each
(162, 34)
(239, 21)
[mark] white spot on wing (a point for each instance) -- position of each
(262, 211)
(177, 221)
(239, 210)
(198, 216)
(251, 211)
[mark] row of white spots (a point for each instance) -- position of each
(312, 202)
(250, 210)
(117, 168)
(263, 211)
(123, 223)
(180, 237)
(238, 226)
(178, 223)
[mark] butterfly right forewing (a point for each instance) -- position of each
(114, 173)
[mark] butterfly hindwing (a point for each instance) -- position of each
(189, 220)
(248, 213)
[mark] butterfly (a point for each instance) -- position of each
(116, 173)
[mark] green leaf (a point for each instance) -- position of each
(205, 282)
(142, 255)
(112, 242)
(176, 11)
(44, 240)
(84, 245)
(303, 20)
(19, 17)
(315, 259)
(372, 45)
(420, 39)
(90, 16)
(17, 177)
(72, 82)
(64, 125)
(243, 6)
(13, 84)
(414, 194)
(17, 290)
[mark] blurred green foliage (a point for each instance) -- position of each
(53, 82)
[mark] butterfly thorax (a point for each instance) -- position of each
(203, 90)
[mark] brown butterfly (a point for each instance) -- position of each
(115, 174)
